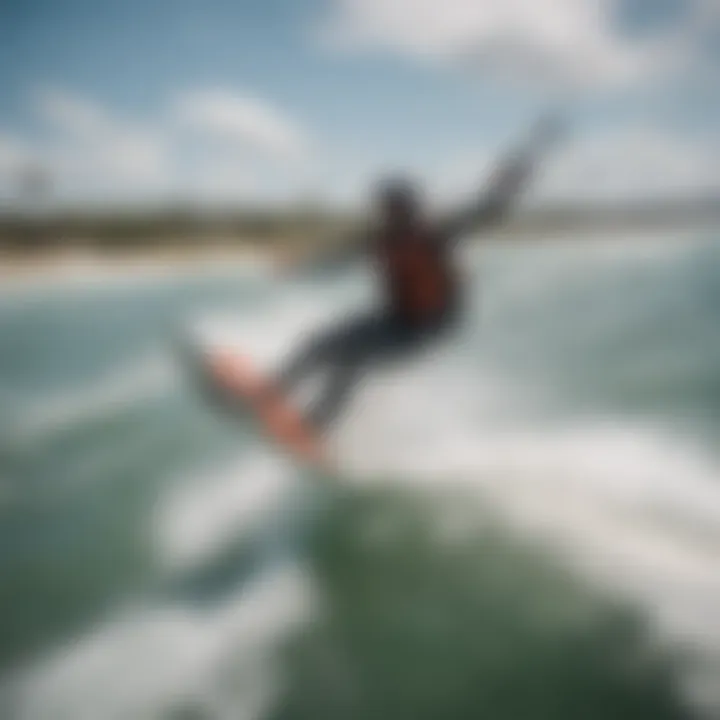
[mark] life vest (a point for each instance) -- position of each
(419, 279)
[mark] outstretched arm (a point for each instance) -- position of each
(506, 184)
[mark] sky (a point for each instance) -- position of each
(220, 101)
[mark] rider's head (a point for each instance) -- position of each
(398, 201)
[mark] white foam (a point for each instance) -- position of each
(149, 661)
(151, 376)
(200, 518)
(632, 507)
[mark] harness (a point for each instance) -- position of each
(419, 279)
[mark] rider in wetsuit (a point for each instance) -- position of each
(422, 293)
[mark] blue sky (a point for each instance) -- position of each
(221, 101)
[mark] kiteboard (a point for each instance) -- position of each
(234, 376)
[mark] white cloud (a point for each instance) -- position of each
(220, 147)
(20, 172)
(72, 113)
(573, 41)
(15, 156)
(86, 144)
(241, 148)
(241, 120)
(214, 179)
(209, 145)
(633, 163)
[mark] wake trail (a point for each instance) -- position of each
(152, 376)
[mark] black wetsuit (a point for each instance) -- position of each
(399, 327)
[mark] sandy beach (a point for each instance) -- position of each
(18, 269)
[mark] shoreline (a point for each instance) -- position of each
(76, 262)
(17, 269)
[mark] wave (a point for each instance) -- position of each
(150, 377)
(409, 604)
(634, 508)
(170, 661)
(222, 507)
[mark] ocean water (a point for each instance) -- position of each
(526, 524)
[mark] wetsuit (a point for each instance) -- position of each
(421, 301)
